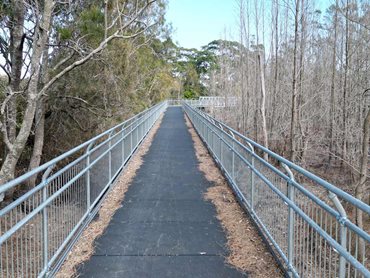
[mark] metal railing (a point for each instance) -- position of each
(214, 101)
(210, 101)
(301, 215)
(38, 229)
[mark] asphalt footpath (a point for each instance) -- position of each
(164, 228)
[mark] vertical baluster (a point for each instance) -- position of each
(45, 218)
(290, 221)
(88, 173)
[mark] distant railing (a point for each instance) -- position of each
(215, 101)
(174, 102)
(209, 101)
(300, 214)
(38, 229)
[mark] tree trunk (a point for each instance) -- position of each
(294, 87)
(16, 52)
(247, 69)
(256, 99)
(360, 186)
(276, 69)
(38, 141)
(39, 123)
(242, 54)
(332, 87)
(263, 103)
(301, 145)
(39, 40)
(345, 86)
(256, 93)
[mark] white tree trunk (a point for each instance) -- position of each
(294, 87)
(263, 102)
(361, 186)
(39, 43)
(38, 141)
(332, 87)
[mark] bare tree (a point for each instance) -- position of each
(276, 64)
(345, 86)
(293, 122)
(360, 185)
(243, 56)
(332, 87)
(263, 100)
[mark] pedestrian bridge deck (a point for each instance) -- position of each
(164, 228)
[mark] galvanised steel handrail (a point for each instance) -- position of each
(38, 229)
(209, 101)
(299, 213)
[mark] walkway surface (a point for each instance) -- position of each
(165, 228)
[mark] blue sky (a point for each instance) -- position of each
(198, 22)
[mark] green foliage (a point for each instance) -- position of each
(91, 22)
(5, 9)
(64, 33)
(205, 61)
(189, 94)
(190, 66)
(191, 78)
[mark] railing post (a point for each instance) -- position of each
(343, 242)
(214, 147)
(342, 231)
(220, 158)
(252, 175)
(208, 129)
(233, 157)
(137, 132)
(204, 129)
(123, 144)
(146, 124)
(88, 186)
(211, 140)
(131, 135)
(45, 219)
(291, 221)
(110, 155)
(142, 128)
(221, 145)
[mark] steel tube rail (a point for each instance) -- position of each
(249, 148)
(338, 213)
(310, 232)
(40, 227)
(37, 170)
(339, 207)
(340, 193)
(58, 173)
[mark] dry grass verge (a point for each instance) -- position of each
(247, 250)
(84, 248)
